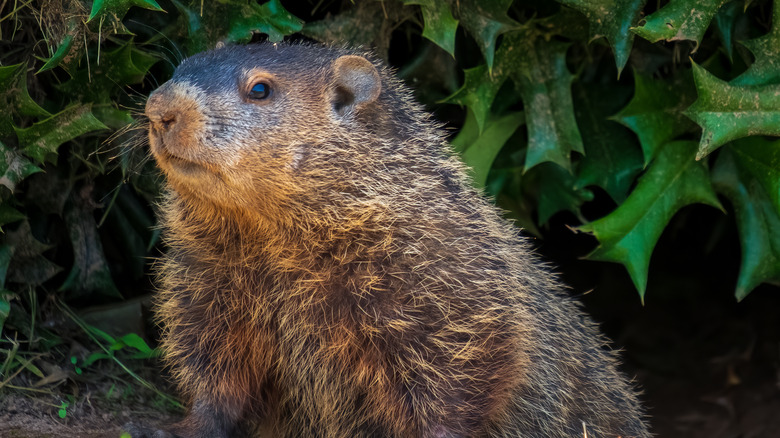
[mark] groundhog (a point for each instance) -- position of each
(331, 271)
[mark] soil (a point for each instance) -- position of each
(37, 417)
(721, 380)
(91, 403)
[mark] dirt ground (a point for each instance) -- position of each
(715, 373)
(679, 409)
(31, 417)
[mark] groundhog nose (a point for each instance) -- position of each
(164, 121)
(159, 110)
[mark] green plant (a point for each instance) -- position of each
(62, 412)
(574, 143)
(131, 344)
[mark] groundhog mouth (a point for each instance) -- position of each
(180, 165)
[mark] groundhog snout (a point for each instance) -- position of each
(175, 118)
(162, 113)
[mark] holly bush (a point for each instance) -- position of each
(645, 106)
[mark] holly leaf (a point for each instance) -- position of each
(727, 112)
(679, 20)
(558, 191)
(269, 18)
(766, 49)
(439, 24)
(538, 68)
(629, 234)
(234, 21)
(485, 21)
(478, 92)
(612, 161)
(28, 265)
(44, 137)
(59, 55)
(99, 81)
(655, 111)
(119, 8)
(479, 150)
(9, 214)
(761, 159)
(68, 53)
(15, 100)
(611, 19)
(112, 117)
(736, 176)
(725, 22)
(14, 167)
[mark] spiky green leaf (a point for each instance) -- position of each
(629, 234)
(766, 49)
(655, 111)
(738, 176)
(612, 20)
(485, 21)
(439, 24)
(234, 21)
(558, 191)
(98, 82)
(480, 149)
(612, 160)
(538, 68)
(15, 100)
(44, 137)
(760, 158)
(725, 22)
(679, 20)
(119, 7)
(478, 92)
(59, 55)
(269, 18)
(28, 265)
(14, 167)
(9, 214)
(727, 112)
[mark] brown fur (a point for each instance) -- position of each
(332, 273)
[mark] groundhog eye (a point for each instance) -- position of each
(259, 91)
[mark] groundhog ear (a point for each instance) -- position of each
(356, 83)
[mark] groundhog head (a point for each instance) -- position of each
(241, 126)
